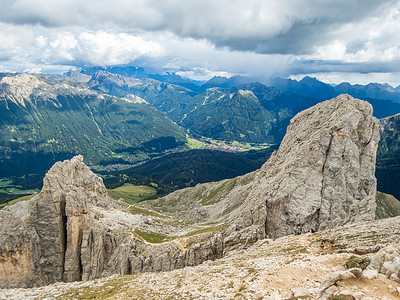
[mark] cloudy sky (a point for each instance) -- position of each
(334, 40)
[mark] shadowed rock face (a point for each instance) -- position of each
(323, 174)
(321, 177)
(40, 240)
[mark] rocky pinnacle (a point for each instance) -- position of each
(323, 174)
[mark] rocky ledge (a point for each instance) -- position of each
(321, 177)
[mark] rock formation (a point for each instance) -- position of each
(323, 174)
(40, 240)
(321, 177)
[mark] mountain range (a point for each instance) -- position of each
(312, 87)
(40, 118)
(321, 179)
(126, 116)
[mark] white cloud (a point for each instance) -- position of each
(203, 74)
(87, 47)
(373, 39)
(102, 48)
(260, 38)
(335, 50)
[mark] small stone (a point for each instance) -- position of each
(358, 295)
(356, 272)
(370, 274)
(395, 277)
(329, 292)
(300, 292)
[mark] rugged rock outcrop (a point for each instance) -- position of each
(74, 231)
(40, 240)
(323, 174)
(321, 177)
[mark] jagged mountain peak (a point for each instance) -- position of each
(323, 174)
(20, 88)
(244, 95)
(73, 176)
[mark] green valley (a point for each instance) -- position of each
(43, 121)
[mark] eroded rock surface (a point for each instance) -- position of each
(40, 240)
(323, 174)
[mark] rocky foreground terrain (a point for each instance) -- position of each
(307, 266)
(244, 237)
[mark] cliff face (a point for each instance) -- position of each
(40, 240)
(321, 177)
(323, 174)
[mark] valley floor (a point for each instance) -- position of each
(270, 269)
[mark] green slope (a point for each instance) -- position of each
(387, 206)
(216, 113)
(232, 117)
(388, 157)
(97, 126)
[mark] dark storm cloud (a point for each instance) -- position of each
(259, 38)
(284, 26)
(317, 66)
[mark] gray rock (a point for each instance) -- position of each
(387, 262)
(358, 295)
(329, 293)
(323, 174)
(41, 239)
(331, 279)
(370, 274)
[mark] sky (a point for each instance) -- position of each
(339, 40)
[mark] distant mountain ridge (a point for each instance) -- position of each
(312, 87)
(206, 113)
(56, 120)
(216, 113)
(50, 117)
(140, 73)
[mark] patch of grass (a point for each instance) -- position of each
(106, 291)
(199, 193)
(179, 284)
(17, 190)
(193, 144)
(23, 198)
(153, 237)
(207, 230)
(358, 262)
(230, 209)
(5, 183)
(294, 250)
(217, 194)
(132, 193)
(386, 206)
(341, 297)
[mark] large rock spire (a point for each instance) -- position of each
(323, 174)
